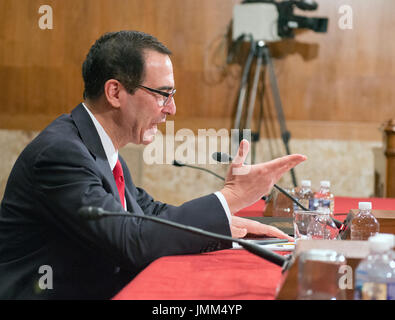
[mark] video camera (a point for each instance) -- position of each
(272, 20)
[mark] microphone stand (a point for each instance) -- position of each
(181, 164)
(95, 213)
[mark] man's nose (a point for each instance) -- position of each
(170, 108)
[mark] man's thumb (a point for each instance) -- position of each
(242, 152)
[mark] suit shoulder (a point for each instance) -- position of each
(59, 137)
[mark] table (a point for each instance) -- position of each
(221, 275)
(226, 274)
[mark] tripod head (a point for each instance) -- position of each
(272, 20)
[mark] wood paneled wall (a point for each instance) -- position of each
(333, 85)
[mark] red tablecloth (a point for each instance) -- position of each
(345, 204)
(221, 275)
(255, 210)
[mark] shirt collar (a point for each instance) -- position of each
(109, 149)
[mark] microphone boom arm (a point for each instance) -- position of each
(94, 213)
(179, 164)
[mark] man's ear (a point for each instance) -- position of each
(112, 89)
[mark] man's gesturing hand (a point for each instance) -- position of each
(246, 184)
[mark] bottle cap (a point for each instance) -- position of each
(365, 206)
(325, 183)
(379, 243)
(306, 183)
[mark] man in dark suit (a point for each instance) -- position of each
(47, 251)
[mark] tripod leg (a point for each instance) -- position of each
(241, 98)
(253, 94)
(285, 134)
(263, 119)
(254, 91)
(243, 88)
(256, 135)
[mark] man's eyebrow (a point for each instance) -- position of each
(165, 88)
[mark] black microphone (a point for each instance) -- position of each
(225, 158)
(181, 164)
(306, 5)
(222, 157)
(95, 213)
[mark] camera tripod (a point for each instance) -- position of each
(259, 51)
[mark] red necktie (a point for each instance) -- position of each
(120, 182)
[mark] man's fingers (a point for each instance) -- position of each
(281, 165)
(238, 232)
(277, 233)
(279, 172)
(289, 161)
(257, 228)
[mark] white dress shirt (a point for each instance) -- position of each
(112, 157)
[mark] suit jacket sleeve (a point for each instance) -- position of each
(67, 181)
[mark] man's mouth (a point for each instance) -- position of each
(154, 129)
(155, 125)
(150, 133)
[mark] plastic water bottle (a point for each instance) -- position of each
(305, 196)
(364, 224)
(322, 226)
(324, 199)
(391, 238)
(375, 275)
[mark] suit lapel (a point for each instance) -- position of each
(91, 139)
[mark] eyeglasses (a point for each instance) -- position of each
(168, 95)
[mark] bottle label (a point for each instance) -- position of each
(313, 204)
(391, 291)
(375, 291)
(325, 203)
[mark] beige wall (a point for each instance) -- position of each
(349, 165)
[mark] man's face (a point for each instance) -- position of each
(144, 110)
